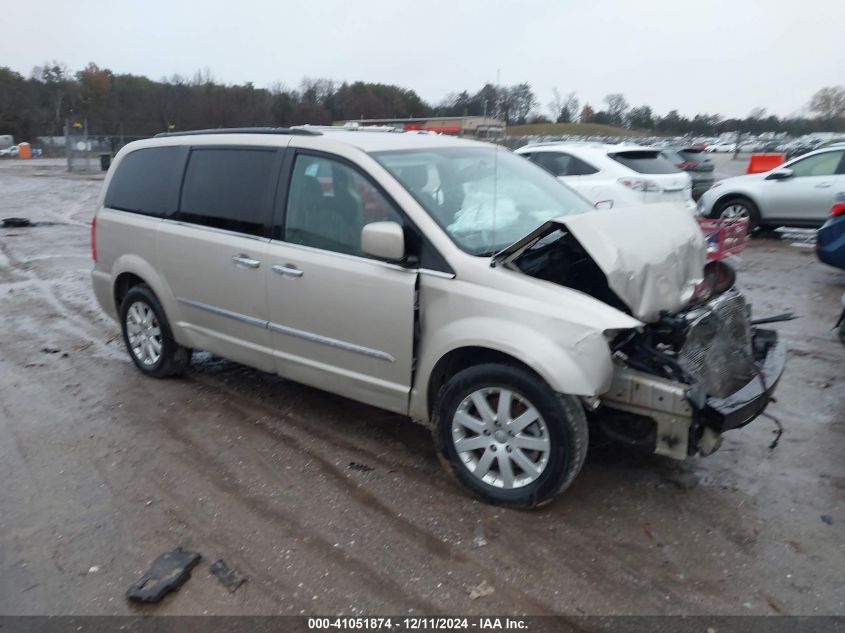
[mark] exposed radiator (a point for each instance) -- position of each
(717, 350)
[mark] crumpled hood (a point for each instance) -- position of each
(653, 256)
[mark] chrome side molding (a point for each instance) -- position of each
(290, 331)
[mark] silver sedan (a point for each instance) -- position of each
(797, 193)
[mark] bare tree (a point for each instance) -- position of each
(202, 77)
(563, 109)
(757, 114)
(829, 103)
(556, 106)
(58, 79)
(617, 107)
(570, 107)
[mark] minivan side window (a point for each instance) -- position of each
(146, 181)
(230, 188)
(329, 202)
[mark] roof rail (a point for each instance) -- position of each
(244, 130)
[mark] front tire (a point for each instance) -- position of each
(147, 335)
(505, 435)
(738, 208)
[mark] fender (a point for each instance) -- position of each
(576, 362)
(132, 263)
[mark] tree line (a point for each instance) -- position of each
(827, 105)
(115, 104)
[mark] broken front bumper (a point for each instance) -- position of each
(741, 407)
(685, 422)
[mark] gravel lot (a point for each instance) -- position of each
(329, 506)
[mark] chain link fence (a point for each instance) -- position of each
(88, 153)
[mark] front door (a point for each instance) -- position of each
(808, 195)
(339, 320)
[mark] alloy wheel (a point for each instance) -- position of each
(735, 211)
(144, 333)
(501, 438)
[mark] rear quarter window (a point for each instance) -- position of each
(563, 164)
(645, 162)
(146, 181)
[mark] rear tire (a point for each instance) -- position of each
(522, 448)
(738, 207)
(147, 335)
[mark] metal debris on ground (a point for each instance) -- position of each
(801, 238)
(479, 541)
(481, 590)
(229, 578)
(167, 573)
(15, 223)
(20, 223)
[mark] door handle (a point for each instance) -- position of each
(288, 270)
(245, 260)
(823, 185)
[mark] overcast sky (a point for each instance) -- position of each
(715, 56)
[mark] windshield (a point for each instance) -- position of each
(485, 198)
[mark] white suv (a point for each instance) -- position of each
(443, 279)
(614, 175)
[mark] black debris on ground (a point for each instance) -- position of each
(20, 223)
(229, 578)
(16, 223)
(363, 468)
(167, 573)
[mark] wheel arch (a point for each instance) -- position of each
(731, 196)
(130, 270)
(124, 282)
(582, 369)
(461, 358)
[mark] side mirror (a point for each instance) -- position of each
(604, 204)
(383, 240)
(780, 174)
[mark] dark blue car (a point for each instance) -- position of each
(830, 246)
(830, 239)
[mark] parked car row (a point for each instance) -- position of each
(444, 279)
(721, 147)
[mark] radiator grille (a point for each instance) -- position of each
(717, 350)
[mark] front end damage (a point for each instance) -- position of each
(682, 381)
(695, 368)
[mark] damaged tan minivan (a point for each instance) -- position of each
(444, 279)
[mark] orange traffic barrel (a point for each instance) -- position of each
(24, 151)
(759, 163)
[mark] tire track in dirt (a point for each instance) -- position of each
(46, 290)
(212, 468)
(430, 542)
